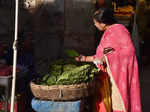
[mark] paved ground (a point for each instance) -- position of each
(145, 88)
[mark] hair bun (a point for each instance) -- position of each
(105, 15)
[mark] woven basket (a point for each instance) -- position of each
(62, 92)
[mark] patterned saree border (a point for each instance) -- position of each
(117, 101)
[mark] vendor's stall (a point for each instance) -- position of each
(5, 84)
(64, 87)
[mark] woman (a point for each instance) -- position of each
(121, 64)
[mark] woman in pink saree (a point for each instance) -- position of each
(122, 67)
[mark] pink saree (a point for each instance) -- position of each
(122, 69)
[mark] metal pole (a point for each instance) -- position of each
(14, 58)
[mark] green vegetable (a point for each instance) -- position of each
(51, 80)
(56, 69)
(70, 53)
(75, 76)
(69, 67)
(45, 77)
(67, 72)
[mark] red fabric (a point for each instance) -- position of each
(19, 104)
(123, 65)
(5, 71)
(101, 107)
(2, 106)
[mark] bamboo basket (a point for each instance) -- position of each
(62, 92)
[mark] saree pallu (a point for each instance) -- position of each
(107, 92)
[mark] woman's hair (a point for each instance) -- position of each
(104, 15)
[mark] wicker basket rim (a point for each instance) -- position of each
(82, 85)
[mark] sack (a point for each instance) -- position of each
(55, 106)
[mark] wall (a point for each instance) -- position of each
(55, 24)
(79, 31)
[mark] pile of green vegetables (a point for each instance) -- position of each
(68, 72)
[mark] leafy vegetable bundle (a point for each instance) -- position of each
(67, 72)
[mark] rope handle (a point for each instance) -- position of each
(60, 93)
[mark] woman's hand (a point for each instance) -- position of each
(100, 61)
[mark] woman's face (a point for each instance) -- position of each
(100, 26)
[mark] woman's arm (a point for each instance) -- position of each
(97, 61)
(85, 58)
(88, 58)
